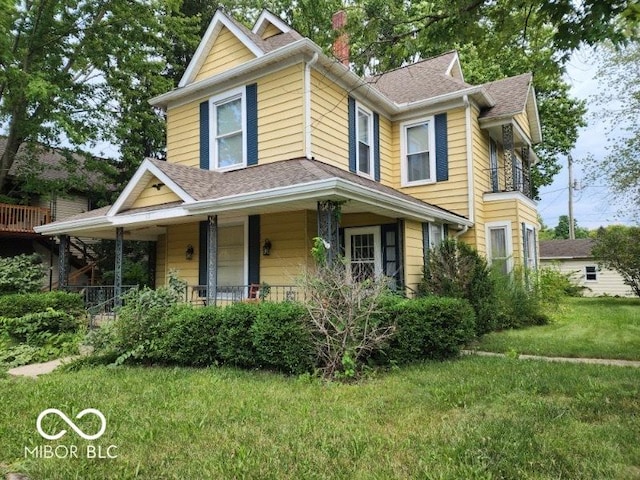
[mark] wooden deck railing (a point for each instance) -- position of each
(22, 218)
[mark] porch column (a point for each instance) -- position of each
(212, 260)
(63, 262)
(526, 172)
(117, 281)
(152, 255)
(328, 227)
(509, 157)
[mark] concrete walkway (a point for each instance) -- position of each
(594, 361)
(36, 369)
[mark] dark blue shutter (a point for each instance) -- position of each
(252, 124)
(445, 231)
(254, 249)
(376, 147)
(426, 243)
(442, 150)
(204, 135)
(202, 253)
(352, 135)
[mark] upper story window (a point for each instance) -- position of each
(364, 134)
(418, 152)
(228, 130)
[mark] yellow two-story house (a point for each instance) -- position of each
(271, 142)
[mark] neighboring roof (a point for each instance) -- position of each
(52, 164)
(421, 80)
(566, 249)
(510, 95)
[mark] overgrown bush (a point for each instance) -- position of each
(234, 343)
(21, 274)
(190, 337)
(281, 338)
(36, 328)
(428, 328)
(20, 304)
(553, 285)
(518, 300)
(457, 270)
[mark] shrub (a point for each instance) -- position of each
(518, 300)
(190, 338)
(20, 304)
(234, 343)
(553, 285)
(37, 328)
(281, 338)
(21, 274)
(455, 269)
(429, 328)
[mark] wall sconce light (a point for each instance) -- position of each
(266, 248)
(188, 254)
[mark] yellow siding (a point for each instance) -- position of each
(516, 213)
(389, 165)
(451, 194)
(183, 134)
(177, 238)
(290, 247)
(152, 196)
(481, 180)
(270, 31)
(161, 261)
(329, 121)
(280, 115)
(364, 220)
(413, 255)
(226, 52)
(522, 120)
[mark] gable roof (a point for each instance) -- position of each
(566, 249)
(424, 79)
(510, 94)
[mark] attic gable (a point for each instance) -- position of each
(149, 186)
(269, 25)
(225, 44)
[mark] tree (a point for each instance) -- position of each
(618, 247)
(618, 105)
(561, 231)
(82, 70)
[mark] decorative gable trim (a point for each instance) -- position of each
(139, 181)
(219, 20)
(266, 18)
(455, 69)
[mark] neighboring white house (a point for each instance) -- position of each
(575, 257)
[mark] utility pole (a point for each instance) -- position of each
(572, 233)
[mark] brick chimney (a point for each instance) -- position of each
(341, 43)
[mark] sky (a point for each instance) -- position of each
(593, 205)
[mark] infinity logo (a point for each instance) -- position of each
(68, 421)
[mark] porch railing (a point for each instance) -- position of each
(510, 179)
(99, 295)
(197, 294)
(22, 218)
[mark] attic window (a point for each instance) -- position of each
(228, 130)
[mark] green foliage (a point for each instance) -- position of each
(36, 328)
(618, 248)
(281, 338)
(190, 337)
(234, 343)
(21, 274)
(553, 285)
(18, 305)
(455, 269)
(429, 328)
(517, 300)
(562, 229)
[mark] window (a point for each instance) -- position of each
(530, 247)
(363, 252)
(493, 159)
(436, 234)
(499, 246)
(228, 127)
(591, 273)
(364, 134)
(231, 270)
(418, 157)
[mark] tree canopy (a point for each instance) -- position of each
(618, 247)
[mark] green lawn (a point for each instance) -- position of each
(471, 418)
(580, 327)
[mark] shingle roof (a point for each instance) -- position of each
(556, 249)
(271, 43)
(510, 95)
(418, 81)
(51, 164)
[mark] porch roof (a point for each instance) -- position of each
(287, 185)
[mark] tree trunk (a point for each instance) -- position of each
(14, 140)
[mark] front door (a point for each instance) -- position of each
(363, 252)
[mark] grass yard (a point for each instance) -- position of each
(581, 327)
(475, 417)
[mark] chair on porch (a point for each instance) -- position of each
(253, 296)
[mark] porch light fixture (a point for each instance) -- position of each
(266, 248)
(188, 254)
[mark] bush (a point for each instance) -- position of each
(234, 343)
(281, 338)
(455, 269)
(429, 328)
(21, 274)
(20, 304)
(518, 300)
(553, 285)
(36, 328)
(190, 338)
